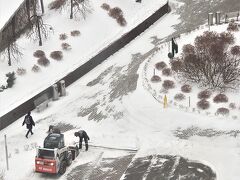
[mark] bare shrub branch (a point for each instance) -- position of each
(81, 8)
(12, 53)
(210, 62)
(39, 29)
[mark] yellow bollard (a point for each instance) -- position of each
(165, 101)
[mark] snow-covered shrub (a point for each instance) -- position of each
(35, 68)
(168, 84)
(75, 33)
(232, 106)
(232, 26)
(235, 50)
(26, 147)
(208, 62)
(220, 98)
(39, 53)
(204, 94)
(160, 65)
(2, 174)
(105, 6)
(234, 117)
(57, 4)
(43, 61)
(166, 72)
(186, 88)
(11, 78)
(203, 104)
(57, 55)
(222, 111)
(16, 151)
(63, 36)
(3, 87)
(179, 97)
(115, 12)
(155, 78)
(21, 71)
(188, 49)
(176, 64)
(121, 21)
(66, 46)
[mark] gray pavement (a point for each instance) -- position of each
(165, 167)
(196, 131)
(105, 169)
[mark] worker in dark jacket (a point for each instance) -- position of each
(28, 120)
(82, 135)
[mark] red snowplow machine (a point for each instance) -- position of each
(54, 157)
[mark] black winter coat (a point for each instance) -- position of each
(83, 134)
(28, 120)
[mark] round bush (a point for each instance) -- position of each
(43, 61)
(35, 68)
(203, 104)
(75, 33)
(63, 36)
(232, 26)
(10, 79)
(115, 12)
(176, 64)
(105, 6)
(220, 98)
(121, 21)
(179, 97)
(57, 55)
(66, 46)
(204, 94)
(186, 88)
(166, 72)
(160, 65)
(235, 50)
(222, 111)
(232, 106)
(39, 53)
(21, 71)
(155, 78)
(168, 84)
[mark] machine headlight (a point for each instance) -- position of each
(39, 162)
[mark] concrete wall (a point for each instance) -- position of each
(22, 109)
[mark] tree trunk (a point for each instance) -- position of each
(71, 13)
(9, 56)
(42, 6)
(28, 10)
(39, 32)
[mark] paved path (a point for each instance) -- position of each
(101, 169)
(165, 167)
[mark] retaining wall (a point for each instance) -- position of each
(22, 109)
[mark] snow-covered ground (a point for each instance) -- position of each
(156, 88)
(97, 32)
(130, 117)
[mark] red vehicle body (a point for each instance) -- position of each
(46, 166)
(54, 157)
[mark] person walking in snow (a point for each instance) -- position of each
(82, 135)
(28, 120)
